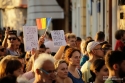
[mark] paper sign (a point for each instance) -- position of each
(30, 37)
(58, 38)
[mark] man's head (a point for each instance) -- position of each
(115, 61)
(45, 64)
(42, 48)
(100, 36)
(94, 48)
(71, 39)
(78, 42)
(12, 38)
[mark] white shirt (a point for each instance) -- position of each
(50, 45)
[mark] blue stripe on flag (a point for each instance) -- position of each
(48, 22)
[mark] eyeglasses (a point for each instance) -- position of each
(2, 49)
(12, 38)
(98, 49)
(48, 72)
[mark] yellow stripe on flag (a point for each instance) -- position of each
(43, 21)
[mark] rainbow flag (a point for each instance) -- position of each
(43, 23)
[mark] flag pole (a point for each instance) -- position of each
(47, 26)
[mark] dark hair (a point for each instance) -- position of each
(8, 79)
(12, 65)
(79, 39)
(119, 34)
(8, 65)
(102, 43)
(13, 32)
(69, 52)
(100, 36)
(96, 66)
(114, 57)
(21, 47)
(21, 33)
(42, 46)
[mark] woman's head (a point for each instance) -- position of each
(98, 70)
(61, 68)
(72, 56)
(10, 66)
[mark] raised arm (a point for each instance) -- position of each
(4, 43)
(59, 53)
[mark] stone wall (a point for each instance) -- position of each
(14, 18)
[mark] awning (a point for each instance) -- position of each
(43, 8)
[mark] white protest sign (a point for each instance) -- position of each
(30, 37)
(58, 37)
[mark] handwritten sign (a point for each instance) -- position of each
(58, 37)
(30, 37)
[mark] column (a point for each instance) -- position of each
(114, 21)
(88, 21)
(94, 18)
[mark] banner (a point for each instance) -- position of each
(30, 37)
(58, 38)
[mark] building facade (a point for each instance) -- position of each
(91, 16)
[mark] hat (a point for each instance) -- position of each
(14, 32)
(92, 45)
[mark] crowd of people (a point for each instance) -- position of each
(90, 60)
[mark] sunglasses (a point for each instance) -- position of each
(2, 49)
(12, 38)
(48, 72)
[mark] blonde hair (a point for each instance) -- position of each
(57, 63)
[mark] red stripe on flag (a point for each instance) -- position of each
(38, 22)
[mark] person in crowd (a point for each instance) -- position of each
(106, 48)
(100, 36)
(120, 36)
(115, 61)
(22, 60)
(62, 71)
(21, 37)
(95, 51)
(71, 42)
(17, 45)
(21, 50)
(10, 41)
(42, 49)
(43, 66)
(10, 65)
(78, 42)
(98, 71)
(88, 38)
(85, 56)
(50, 44)
(72, 57)
(8, 79)
(48, 51)
(2, 51)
